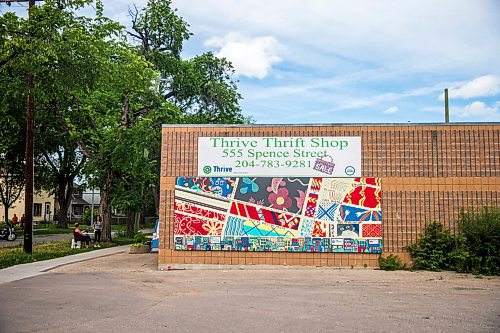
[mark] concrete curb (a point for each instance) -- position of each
(24, 271)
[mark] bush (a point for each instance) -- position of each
(86, 217)
(481, 233)
(390, 263)
(433, 251)
(140, 237)
(476, 249)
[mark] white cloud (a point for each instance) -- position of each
(480, 110)
(488, 85)
(251, 57)
(391, 110)
(420, 34)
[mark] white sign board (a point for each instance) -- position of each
(279, 156)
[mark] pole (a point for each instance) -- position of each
(446, 108)
(92, 209)
(29, 171)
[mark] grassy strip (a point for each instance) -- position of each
(10, 256)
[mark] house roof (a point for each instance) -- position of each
(79, 201)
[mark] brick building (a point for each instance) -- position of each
(428, 172)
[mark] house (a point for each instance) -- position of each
(77, 204)
(43, 207)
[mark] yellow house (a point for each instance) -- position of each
(43, 207)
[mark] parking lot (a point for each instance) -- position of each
(125, 293)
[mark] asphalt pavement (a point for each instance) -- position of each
(37, 239)
(122, 292)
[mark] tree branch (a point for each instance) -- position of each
(49, 161)
(142, 111)
(78, 167)
(170, 94)
(124, 121)
(9, 58)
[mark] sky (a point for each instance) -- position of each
(360, 61)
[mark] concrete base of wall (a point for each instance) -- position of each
(174, 267)
(215, 259)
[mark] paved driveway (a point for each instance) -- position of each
(125, 293)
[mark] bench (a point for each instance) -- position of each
(76, 244)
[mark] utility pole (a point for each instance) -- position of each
(29, 170)
(446, 108)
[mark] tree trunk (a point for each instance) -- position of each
(62, 214)
(6, 212)
(104, 208)
(64, 194)
(130, 223)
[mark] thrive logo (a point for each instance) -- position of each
(215, 168)
(207, 169)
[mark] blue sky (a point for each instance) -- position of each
(328, 61)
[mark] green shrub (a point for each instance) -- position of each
(476, 249)
(390, 263)
(140, 237)
(481, 233)
(433, 251)
(86, 218)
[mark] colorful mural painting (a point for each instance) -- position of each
(278, 214)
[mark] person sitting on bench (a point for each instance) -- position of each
(80, 236)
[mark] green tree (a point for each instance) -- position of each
(12, 139)
(64, 52)
(126, 96)
(59, 163)
(202, 87)
(110, 98)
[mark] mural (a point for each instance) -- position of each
(278, 214)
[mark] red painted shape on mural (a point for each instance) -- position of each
(365, 196)
(265, 215)
(371, 230)
(319, 229)
(311, 203)
(188, 225)
(240, 209)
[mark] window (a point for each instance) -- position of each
(77, 210)
(37, 209)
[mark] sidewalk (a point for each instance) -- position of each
(24, 271)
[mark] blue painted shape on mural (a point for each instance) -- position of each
(374, 245)
(249, 185)
(245, 241)
(350, 213)
(217, 186)
(324, 213)
(234, 226)
(348, 230)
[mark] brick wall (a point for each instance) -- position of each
(429, 172)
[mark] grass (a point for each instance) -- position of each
(10, 256)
